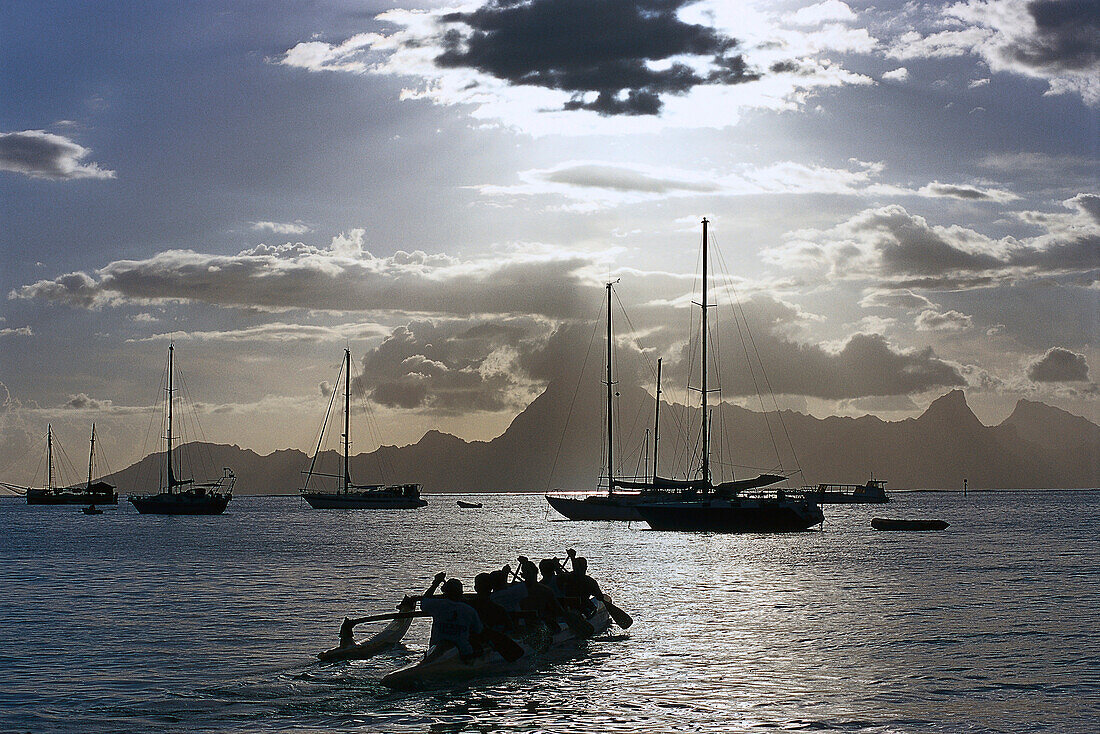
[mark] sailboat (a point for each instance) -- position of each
(92, 493)
(625, 497)
(722, 507)
(181, 496)
(628, 500)
(346, 495)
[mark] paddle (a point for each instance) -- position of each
(508, 648)
(391, 615)
(617, 615)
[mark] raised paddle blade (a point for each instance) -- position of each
(618, 616)
(508, 648)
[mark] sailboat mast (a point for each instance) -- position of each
(49, 456)
(91, 459)
(610, 412)
(703, 381)
(657, 421)
(347, 416)
(168, 454)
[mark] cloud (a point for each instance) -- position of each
(1054, 40)
(83, 402)
(903, 250)
(613, 57)
(823, 12)
(1058, 365)
(592, 184)
(975, 83)
(930, 320)
(899, 74)
(341, 278)
(21, 331)
(296, 227)
(600, 66)
(277, 332)
(906, 299)
(452, 367)
(39, 154)
(969, 193)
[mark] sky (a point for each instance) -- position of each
(905, 196)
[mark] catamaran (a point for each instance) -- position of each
(347, 495)
(183, 496)
(626, 498)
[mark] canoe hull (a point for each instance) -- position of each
(448, 668)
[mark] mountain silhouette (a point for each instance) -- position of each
(557, 443)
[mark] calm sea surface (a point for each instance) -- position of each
(121, 622)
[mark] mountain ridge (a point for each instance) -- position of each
(545, 448)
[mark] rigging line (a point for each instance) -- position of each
(739, 309)
(775, 402)
(374, 435)
(573, 401)
(157, 411)
(324, 425)
(65, 466)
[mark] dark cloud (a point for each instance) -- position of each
(1086, 204)
(865, 365)
(449, 368)
(609, 54)
(40, 154)
(1067, 36)
(908, 252)
(956, 192)
(1059, 365)
(83, 402)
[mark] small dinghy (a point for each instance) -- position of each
(469, 505)
(886, 523)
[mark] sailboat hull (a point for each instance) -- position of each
(181, 503)
(71, 497)
(360, 501)
(597, 507)
(733, 516)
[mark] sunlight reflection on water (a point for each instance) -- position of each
(137, 623)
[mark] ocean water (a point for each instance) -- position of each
(128, 623)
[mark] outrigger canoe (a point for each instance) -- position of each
(441, 667)
(387, 638)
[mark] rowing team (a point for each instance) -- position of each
(474, 622)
